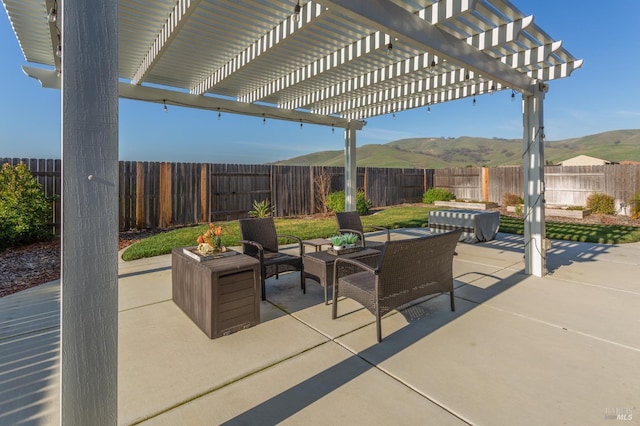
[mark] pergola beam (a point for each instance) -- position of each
(50, 79)
(385, 16)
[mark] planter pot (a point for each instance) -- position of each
(337, 248)
(466, 205)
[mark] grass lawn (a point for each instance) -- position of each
(392, 218)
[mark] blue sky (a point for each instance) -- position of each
(603, 95)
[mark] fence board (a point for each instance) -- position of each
(464, 182)
(503, 180)
(572, 185)
(234, 188)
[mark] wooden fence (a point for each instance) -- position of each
(160, 195)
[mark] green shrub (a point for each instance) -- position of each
(437, 194)
(601, 203)
(25, 212)
(575, 208)
(335, 202)
(510, 199)
(261, 209)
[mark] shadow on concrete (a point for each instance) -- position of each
(421, 323)
(562, 253)
(29, 357)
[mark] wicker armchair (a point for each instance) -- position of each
(350, 222)
(259, 240)
(407, 270)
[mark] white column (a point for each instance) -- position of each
(533, 156)
(350, 170)
(89, 299)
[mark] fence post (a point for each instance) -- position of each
(364, 183)
(140, 195)
(205, 214)
(485, 184)
(165, 195)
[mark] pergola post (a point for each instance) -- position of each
(89, 290)
(534, 231)
(350, 170)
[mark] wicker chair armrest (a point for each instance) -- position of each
(293, 237)
(252, 243)
(256, 245)
(353, 231)
(381, 228)
(357, 263)
(336, 278)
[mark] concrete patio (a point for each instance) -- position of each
(563, 349)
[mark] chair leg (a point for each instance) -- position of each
(453, 303)
(379, 328)
(303, 283)
(263, 285)
(334, 306)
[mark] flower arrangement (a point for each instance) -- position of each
(211, 241)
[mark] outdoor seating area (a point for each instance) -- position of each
(552, 350)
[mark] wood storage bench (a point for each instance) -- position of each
(220, 295)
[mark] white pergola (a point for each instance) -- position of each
(325, 62)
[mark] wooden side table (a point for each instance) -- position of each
(221, 295)
(317, 243)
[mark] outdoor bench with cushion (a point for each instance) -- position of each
(407, 270)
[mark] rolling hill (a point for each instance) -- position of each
(617, 145)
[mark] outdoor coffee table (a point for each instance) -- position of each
(319, 265)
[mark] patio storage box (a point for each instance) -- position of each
(220, 295)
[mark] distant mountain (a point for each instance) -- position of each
(435, 153)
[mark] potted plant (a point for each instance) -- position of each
(350, 239)
(337, 241)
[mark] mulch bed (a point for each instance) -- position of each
(34, 264)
